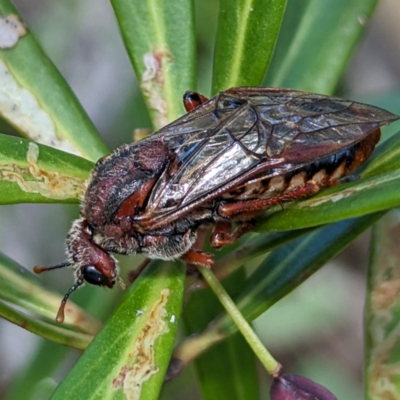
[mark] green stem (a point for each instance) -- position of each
(269, 362)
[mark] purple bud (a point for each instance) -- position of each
(296, 387)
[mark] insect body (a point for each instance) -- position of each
(225, 161)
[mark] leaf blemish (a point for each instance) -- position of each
(382, 368)
(33, 179)
(11, 29)
(21, 108)
(385, 294)
(141, 364)
(329, 198)
(153, 81)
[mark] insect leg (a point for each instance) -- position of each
(222, 235)
(134, 274)
(229, 210)
(197, 257)
(192, 100)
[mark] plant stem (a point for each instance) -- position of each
(265, 357)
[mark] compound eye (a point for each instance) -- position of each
(92, 275)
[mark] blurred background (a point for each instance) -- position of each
(317, 329)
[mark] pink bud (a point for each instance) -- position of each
(296, 387)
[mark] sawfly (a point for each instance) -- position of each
(223, 163)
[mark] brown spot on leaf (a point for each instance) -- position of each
(382, 321)
(385, 294)
(152, 84)
(33, 179)
(141, 365)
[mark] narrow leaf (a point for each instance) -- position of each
(44, 329)
(382, 317)
(159, 38)
(316, 41)
(31, 172)
(21, 288)
(282, 271)
(228, 371)
(35, 98)
(257, 246)
(129, 357)
(247, 33)
(285, 268)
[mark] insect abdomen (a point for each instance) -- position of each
(324, 172)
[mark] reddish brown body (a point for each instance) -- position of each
(225, 161)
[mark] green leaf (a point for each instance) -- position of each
(159, 38)
(228, 370)
(382, 315)
(31, 172)
(257, 246)
(285, 268)
(21, 288)
(316, 41)
(131, 354)
(44, 329)
(247, 33)
(282, 271)
(37, 101)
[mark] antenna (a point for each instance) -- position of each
(60, 313)
(39, 270)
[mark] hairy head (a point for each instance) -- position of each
(91, 263)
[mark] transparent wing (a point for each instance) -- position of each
(250, 132)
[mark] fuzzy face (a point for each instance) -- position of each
(91, 262)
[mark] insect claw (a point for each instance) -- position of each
(198, 258)
(222, 235)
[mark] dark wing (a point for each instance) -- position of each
(244, 132)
